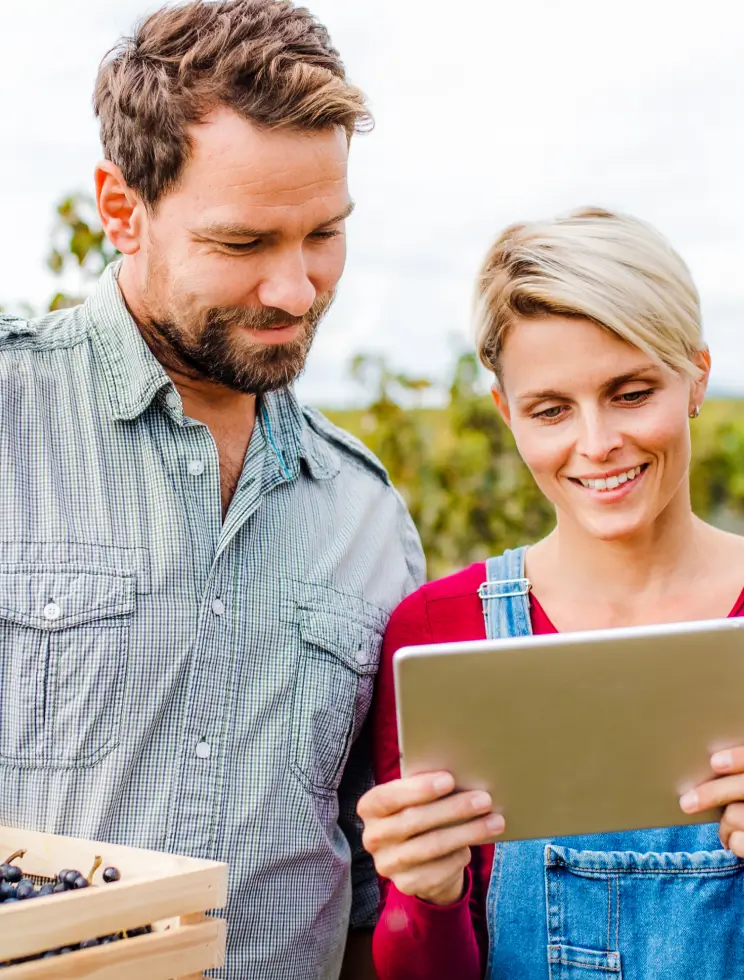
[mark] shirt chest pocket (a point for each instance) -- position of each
(339, 656)
(64, 634)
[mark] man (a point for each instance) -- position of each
(195, 572)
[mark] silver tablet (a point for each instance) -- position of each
(576, 733)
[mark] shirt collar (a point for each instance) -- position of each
(134, 373)
(135, 376)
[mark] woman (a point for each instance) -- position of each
(590, 324)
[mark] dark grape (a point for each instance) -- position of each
(71, 877)
(26, 889)
(80, 882)
(12, 873)
(111, 874)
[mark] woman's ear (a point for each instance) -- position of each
(501, 403)
(700, 384)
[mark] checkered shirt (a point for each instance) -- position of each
(174, 681)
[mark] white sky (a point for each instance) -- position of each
(486, 112)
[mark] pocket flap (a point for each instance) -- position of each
(357, 644)
(57, 598)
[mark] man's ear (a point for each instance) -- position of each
(119, 208)
(501, 403)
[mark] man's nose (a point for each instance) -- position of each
(286, 285)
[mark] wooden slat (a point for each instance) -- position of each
(49, 853)
(160, 956)
(59, 920)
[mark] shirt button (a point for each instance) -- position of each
(218, 607)
(172, 400)
(196, 467)
(52, 611)
(203, 750)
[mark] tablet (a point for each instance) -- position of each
(576, 733)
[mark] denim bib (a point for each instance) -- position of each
(664, 904)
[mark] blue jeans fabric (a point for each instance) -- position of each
(662, 904)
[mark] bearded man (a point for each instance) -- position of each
(196, 571)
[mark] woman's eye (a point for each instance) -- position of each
(549, 413)
(633, 397)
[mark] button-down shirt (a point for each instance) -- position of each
(176, 681)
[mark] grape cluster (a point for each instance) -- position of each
(16, 887)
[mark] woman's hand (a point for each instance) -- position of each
(420, 836)
(726, 791)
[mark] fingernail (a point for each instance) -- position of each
(495, 823)
(722, 760)
(689, 801)
(481, 801)
(444, 783)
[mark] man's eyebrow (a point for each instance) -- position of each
(617, 382)
(230, 229)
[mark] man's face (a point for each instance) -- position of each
(238, 264)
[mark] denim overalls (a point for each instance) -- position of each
(662, 904)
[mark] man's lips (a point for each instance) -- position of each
(279, 334)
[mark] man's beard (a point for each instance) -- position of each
(219, 353)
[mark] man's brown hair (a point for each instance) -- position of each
(267, 60)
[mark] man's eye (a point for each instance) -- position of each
(325, 235)
(553, 412)
(239, 247)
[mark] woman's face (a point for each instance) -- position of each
(603, 428)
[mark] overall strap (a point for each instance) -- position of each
(505, 596)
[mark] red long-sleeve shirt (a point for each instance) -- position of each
(416, 940)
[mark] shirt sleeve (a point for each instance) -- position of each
(358, 776)
(415, 940)
(357, 779)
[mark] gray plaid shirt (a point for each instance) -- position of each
(171, 681)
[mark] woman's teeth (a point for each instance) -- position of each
(612, 482)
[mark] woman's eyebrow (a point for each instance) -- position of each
(543, 394)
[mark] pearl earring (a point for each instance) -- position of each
(695, 412)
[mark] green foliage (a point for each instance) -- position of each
(457, 467)
(78, 243)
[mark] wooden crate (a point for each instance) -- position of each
(169, 892)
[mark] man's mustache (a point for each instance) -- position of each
(265, 317)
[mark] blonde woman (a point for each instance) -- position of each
(590, 324)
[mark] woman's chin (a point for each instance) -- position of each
(616, 528)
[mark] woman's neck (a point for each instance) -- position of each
(574, 565)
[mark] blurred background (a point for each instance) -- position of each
(486, 114)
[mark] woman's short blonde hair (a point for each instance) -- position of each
(609, 268)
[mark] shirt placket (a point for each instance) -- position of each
(208, 721)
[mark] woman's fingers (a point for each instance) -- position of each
(392, 797)
(716, 792)
(415, 820)
(728, 760)
(732, 823)
(435, 844)
(419, 833)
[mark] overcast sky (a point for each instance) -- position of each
(486, 113)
